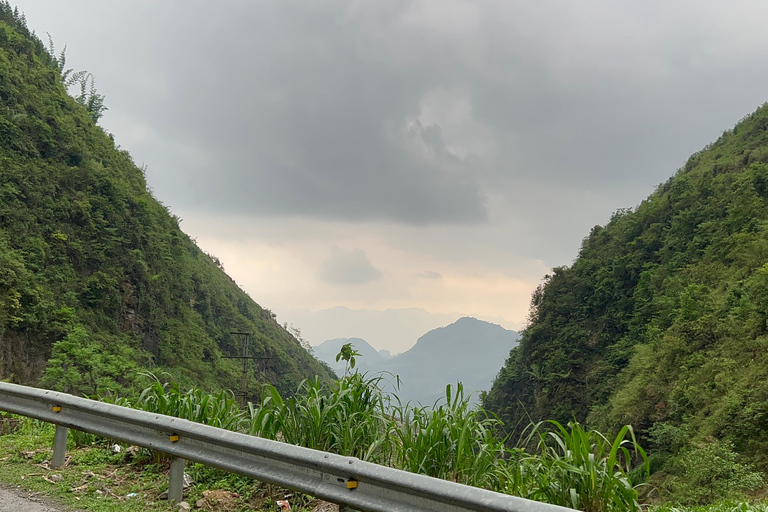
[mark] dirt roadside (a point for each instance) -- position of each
(17, 499)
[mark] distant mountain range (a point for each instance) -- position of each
(470, 351)
(394, 328)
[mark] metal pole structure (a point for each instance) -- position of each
(176, 480)
(245, 339)
(59, 446)
(244, 379)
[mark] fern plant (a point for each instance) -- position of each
(88, 97)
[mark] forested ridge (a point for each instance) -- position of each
(661, 321)
(97, 280)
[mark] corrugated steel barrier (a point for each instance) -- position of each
(347, 481)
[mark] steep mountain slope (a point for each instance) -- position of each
(97, 281)
(661, 320)
(370, 358)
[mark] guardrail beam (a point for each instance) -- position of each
(353, 483)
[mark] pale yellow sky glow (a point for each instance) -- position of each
(280, 262)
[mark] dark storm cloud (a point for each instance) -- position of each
(302, 117)
(348, 267)
(416, 111)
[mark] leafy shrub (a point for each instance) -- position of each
(85, 364)
(724, 506)
(712, 472)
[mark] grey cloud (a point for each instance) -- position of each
(430, 274)
(318, 108)
(348, 268)
(303, 120)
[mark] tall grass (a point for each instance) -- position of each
(346, 418)
(215, 409)
(453, 440)
(578, 468)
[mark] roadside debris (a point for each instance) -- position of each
(324, 506)
(219, 500)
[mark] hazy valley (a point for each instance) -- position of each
(469, 351)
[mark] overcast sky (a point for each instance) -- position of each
(435, 154)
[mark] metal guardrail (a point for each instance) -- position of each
(347, 481)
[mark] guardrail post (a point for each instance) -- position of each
(176, 480)
(59, 446)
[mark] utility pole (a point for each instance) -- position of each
(245, 343)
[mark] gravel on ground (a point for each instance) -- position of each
(16, 499)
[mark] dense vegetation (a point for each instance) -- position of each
(558, 464)
(566, 465)
(661, 322)
(96, 278)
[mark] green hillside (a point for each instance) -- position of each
(97, 281)
(661, 321)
